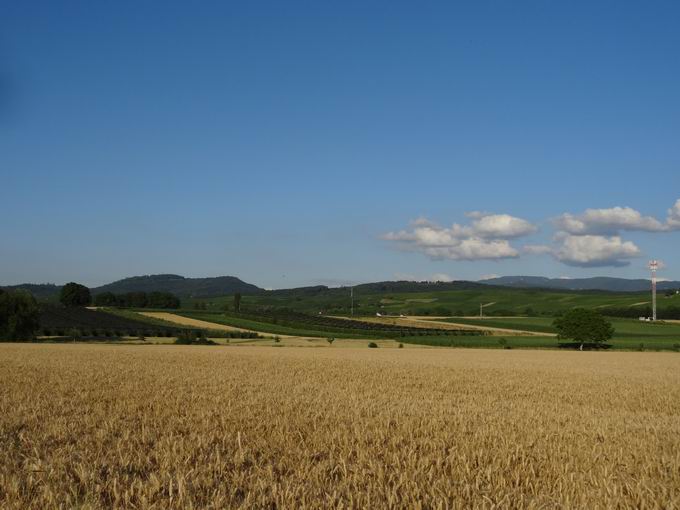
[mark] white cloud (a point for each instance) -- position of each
(441, 277)
(486, 238)
(673, 220)
(502, 226)
(590, 239)
(616, 219)
(436, 277)
(490, 276)
(594, 250)
(472, 249)
(608, 221)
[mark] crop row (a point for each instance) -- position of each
(330, 324)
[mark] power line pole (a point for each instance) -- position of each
(653, 265)
(351, 294)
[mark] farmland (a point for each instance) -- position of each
(629, 333)
(240, 427)
(296, 323)
(55, 320)
(500, 301)
(519, 332)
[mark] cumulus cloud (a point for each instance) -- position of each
(593, 238)
(594, 250)
(673, 220)
(616, 219)
(487, 237)
(502, 226)
(590, 239)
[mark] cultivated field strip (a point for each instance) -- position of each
(192, 323)
(451, 325)
(92, 426)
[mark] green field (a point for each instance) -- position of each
(498, 301)
(629, 333)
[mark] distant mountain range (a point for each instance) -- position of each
(226, 285)
(596, 283)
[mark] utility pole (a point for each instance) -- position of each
(351, 294)
(653, 265)
(481, 310)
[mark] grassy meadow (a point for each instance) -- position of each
(629, 333)
(103, 426)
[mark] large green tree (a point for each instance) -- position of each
(19, 316)
(75, 294)
(583, 326)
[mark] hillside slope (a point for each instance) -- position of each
(596, 283)
(181, 286)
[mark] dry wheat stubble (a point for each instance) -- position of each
(194, 427)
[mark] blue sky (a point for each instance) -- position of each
(293, 143)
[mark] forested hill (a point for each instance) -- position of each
(39, 290)
(378, 287)
(181, 286)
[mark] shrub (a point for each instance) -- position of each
(401, 346)
(372, 345)
(19, 315)
(74, 334)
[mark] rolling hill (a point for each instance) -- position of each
(596, 283)
(41, 291)
(181, 286)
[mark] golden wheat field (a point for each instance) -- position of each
(101, 426)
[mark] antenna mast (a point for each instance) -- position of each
(653, 265)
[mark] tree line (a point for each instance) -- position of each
(633, 312)
(75, 294)
(19, 315)
(138, 300)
